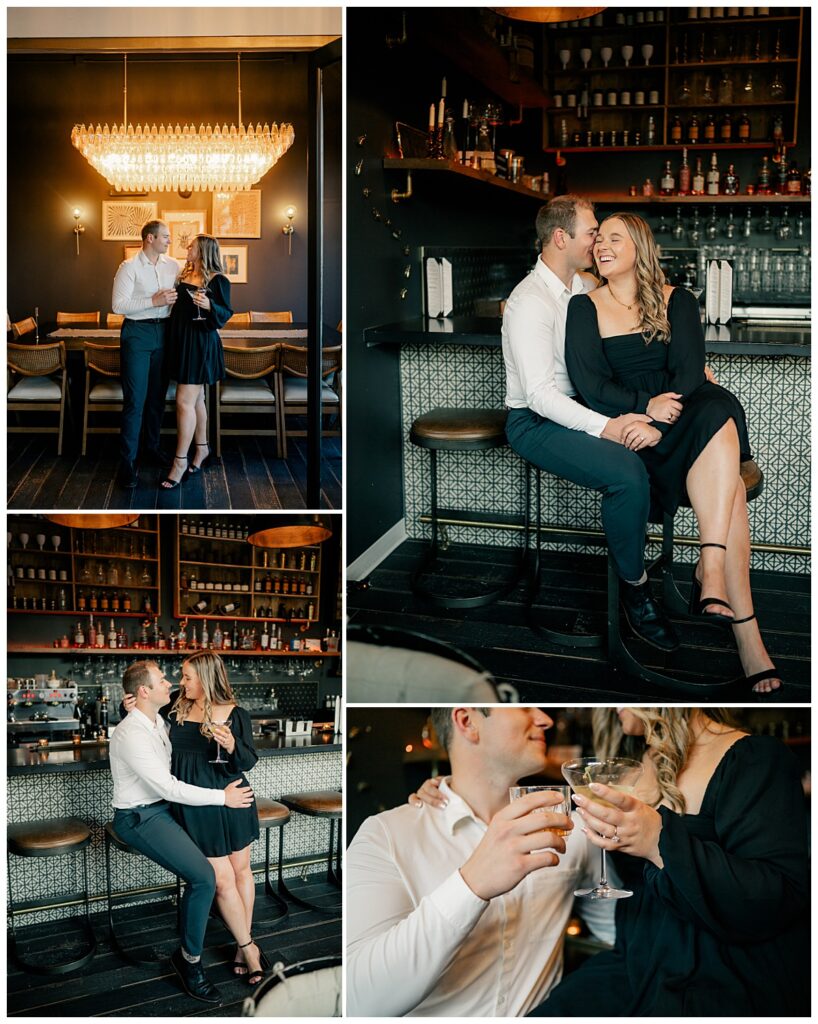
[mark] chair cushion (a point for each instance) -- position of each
(295, 390)
(106, 391)
(248, 391)
(35, 389)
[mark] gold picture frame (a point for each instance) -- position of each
(234, 261)
(122, 219)
(183, 226)
(129, 251)
(237, 214)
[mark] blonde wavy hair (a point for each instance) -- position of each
(212, 674)
(650, 278)
(667, 740)
(210, 259)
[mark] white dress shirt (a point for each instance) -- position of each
(140, 764)
(421, 943)
(137, 280)
(534, 350)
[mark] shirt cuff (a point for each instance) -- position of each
(455, 902)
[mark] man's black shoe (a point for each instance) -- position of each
(194, 980)
(127, 476)
(645, 618)
(157, 457)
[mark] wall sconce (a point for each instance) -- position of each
(79, 229)
(288, 229)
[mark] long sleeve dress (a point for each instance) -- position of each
(723, 928)
(194, 348)
(217, 831)
(622, 373)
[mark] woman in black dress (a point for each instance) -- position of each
(194, 350)
(716, 843)
(636, 345)
(206, 710)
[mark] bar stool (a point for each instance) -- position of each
(51, 837)
(317, 804)
(114, 840)
(272, 814)
(464, 430)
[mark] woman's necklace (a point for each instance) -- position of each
(621, 303)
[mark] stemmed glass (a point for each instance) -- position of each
(201, 292)
(620, 773)
(647, 52)
(56, 540)
(40, 538)
(208, 731)
(606, 53)
(627, 53)
(24, 540)
(585, 57)
(565, 56)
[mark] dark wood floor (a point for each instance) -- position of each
(249, 477)
(108, 987)
(543, 673)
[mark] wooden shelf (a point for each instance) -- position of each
(612, 69)
(680, 200)
(218, 565)
(121, 558)
(760, 20)
(561, 111)
(214, 540)
(108, 614)
(670, 147)
(449, 167)
(705, 108)
(729, 62)
(229, 652)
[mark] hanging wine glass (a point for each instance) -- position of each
(647, 53)
(627, 53)
(585, 57)
(605, 53)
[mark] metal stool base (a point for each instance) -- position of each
(333, 874)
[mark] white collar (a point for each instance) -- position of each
(143, 721)
(457, 809)
(141, 255)
(554, 284)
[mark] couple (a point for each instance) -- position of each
(647, 422)
(162, 339)
(194, 818)
(457, 905)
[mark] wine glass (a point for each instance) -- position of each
(24, 540)
(585, 57)
(56, 540)
(647, 52)
(627, 53)
(207, 730)
(620, 773)
(605, 53)
(40, 538)
(565, 56)
(201, 292)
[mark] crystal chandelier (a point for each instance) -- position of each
(182, 158)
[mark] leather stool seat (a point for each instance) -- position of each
(117, 840)
(51, 837)
(318, 804)
(321, 803)
(271, 814)
(460, 429)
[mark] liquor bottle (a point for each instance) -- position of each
(147, 605)
(725, 87)
(302, 561)
(310, 587)
(205, 637)
(694, 130)
(112, 635)
(698, 178)
(181, 636)
(764, 185)
(93, 601)
(265, 639)
(92, 633)
(277, 584)
(235, 633)
(227, 641)
(113, 575)
(121, 639)
(104, 601)
(783, 173)
(744, 128)
(185, 526)
(194, 640)
(312, 562)
(115, 602)
(778, 129)
(793, 180)
(651, 134)
(82, 602)
(285, 585)
(268, 584)
(713, 177)
(62, 600)
(563, 133)
(174, 640)
(806, 184)
(311, 611)
(726, 128)
(218, 638)
(684, 175)
(302, 583)
(667, 184)
(710, 129)
(712, 226)
(126, 602)
(730, 183)
(156, 631)
(143, 633)
(675, 129)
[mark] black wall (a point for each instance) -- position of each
(47, 177)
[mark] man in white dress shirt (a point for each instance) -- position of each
(548, 427)
(144, 291)
(449, 912)
(144, 788)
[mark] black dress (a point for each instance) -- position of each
(621, 374)
(722, 929)
(194, 348)
(217, 831)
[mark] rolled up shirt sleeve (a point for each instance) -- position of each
(397, 949)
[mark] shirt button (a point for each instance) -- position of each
(501, 1000)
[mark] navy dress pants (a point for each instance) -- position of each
(617, 474)
(144, 384)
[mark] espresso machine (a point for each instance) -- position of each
(40, 708)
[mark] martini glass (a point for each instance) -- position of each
(207, 730)
(620, 773)
(201, 293)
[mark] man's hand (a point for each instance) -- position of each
(164, 297)
(129, 702)
(666, 408)
(641, 435)
(615, 428)
(504, 855)
(238, 795)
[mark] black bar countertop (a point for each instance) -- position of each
(94, 756)
(734, 338)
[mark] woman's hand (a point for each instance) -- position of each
(709, 375)
(129, 702)
(666, 408)
(429, 793)
(224, 737)
(641, 435)
(201, 300)
(629, 826)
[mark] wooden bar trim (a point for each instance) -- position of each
(150, 44)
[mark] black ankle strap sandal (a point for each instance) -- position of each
(697, 603)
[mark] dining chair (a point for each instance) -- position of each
(238, 320)
(283, 316)
(41, 387)
(22, 327)
(292, 381)
(248, 390)
(114, 319)
(79, 318)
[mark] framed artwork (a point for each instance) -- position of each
(131, 251)
(237, 214)
(234, 261)
(183, 225)
(122, 219)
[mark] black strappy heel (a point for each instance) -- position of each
(698, 603)
(170, 485)
(254, 977)
(757, 677)
(195, 469)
